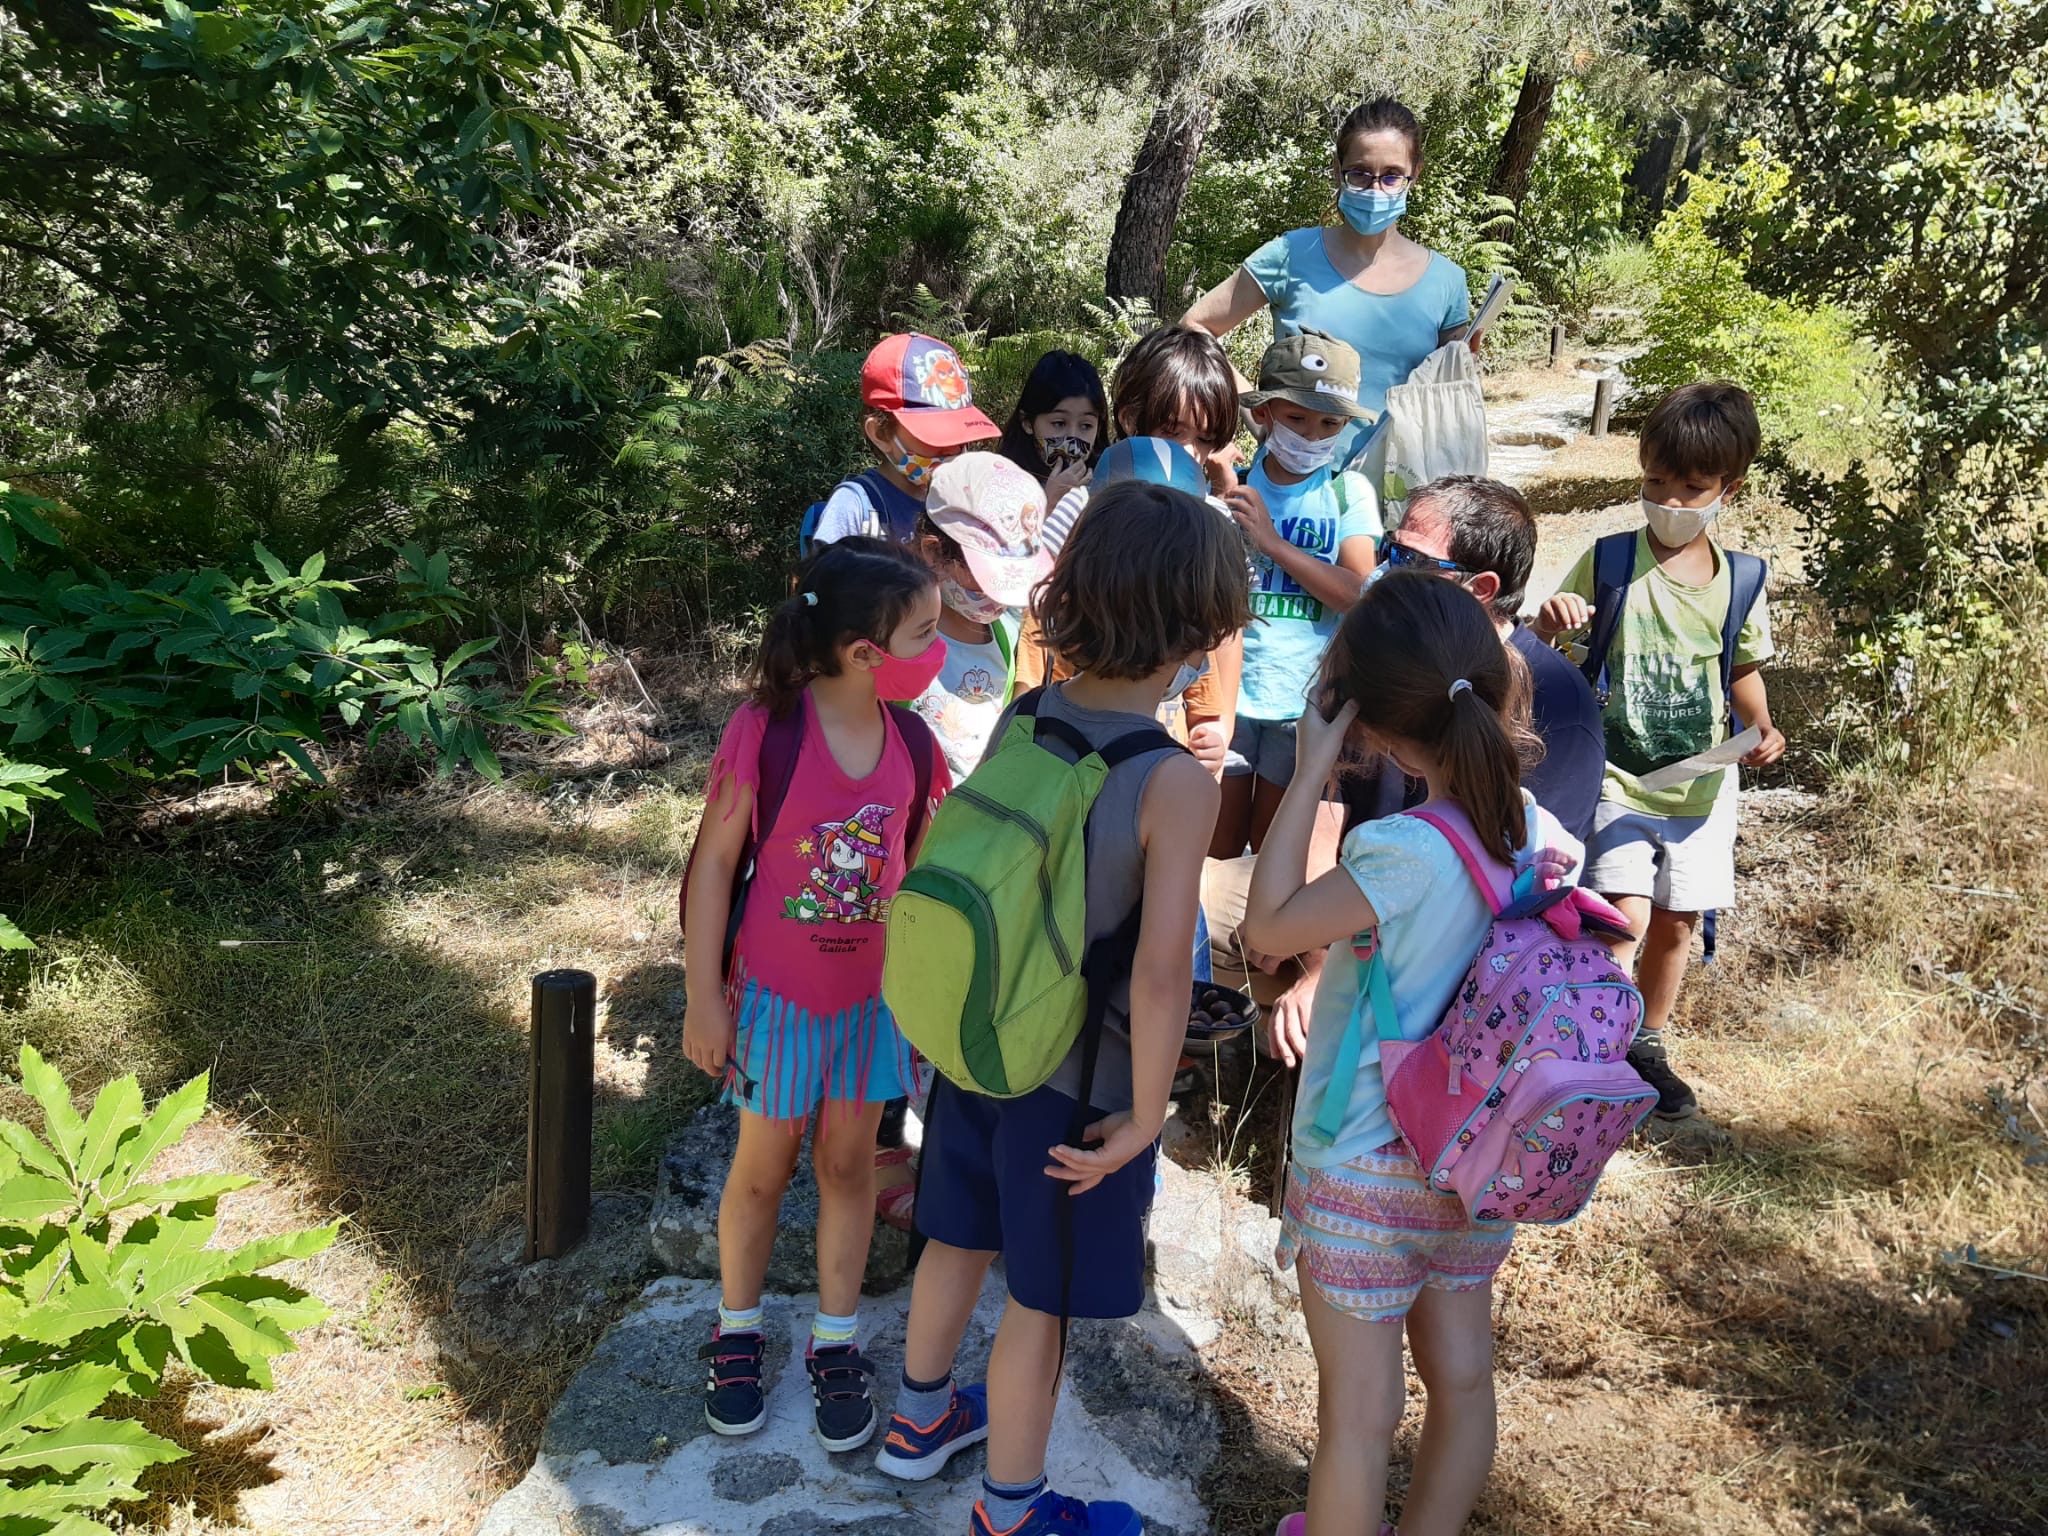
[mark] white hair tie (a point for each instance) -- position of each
(1462, 685)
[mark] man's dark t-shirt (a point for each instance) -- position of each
(1566, 783)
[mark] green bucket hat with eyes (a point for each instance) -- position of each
(1314, 370)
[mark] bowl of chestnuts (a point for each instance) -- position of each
(1217, 1012)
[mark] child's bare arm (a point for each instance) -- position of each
(1753, 705)
(1284, 913)
(721, 839)
(1174, 822)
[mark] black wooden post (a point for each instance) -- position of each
(558, 1112)
(1603, 403)
(1556, 342)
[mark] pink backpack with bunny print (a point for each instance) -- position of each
(1517, 1100)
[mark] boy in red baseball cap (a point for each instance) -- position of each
(918, 412)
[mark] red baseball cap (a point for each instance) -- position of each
(919, 380)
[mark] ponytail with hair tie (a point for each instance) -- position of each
(855, 589)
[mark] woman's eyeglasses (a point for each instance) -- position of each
(1360, 180)
(1401, 557)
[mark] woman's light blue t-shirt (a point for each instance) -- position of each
(1284, 643)
(1391, 331)
(1432, 921)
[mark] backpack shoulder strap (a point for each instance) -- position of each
(1746, 577)
(782, 743)
(918, 741)
(1475, 865)
(1006, 647)
(1614, 562)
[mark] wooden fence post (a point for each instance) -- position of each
(558, 1112)
(1556, 343)
(1603, 403)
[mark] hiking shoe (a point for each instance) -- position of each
(1053, 1514)
(915, 1453)
(1675, 1098)
(733, 1401)
(839, 1389)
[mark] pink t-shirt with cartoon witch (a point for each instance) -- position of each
(812, 930)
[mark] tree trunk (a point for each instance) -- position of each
(1153, 193)
(1650, 174)
(1517, 156)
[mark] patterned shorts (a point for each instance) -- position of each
(1370, 1234)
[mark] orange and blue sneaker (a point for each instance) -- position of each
(915, 1452)
(1053, 1514)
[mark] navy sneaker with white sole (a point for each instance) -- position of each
(839, 1389)
(734, 1403)
(915, 1452)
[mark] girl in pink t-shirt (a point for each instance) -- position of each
(795, 1022)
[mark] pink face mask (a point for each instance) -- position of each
(900, 679)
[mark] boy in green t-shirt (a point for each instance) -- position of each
(1665, 856)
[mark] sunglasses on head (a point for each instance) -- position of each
(1401, 557)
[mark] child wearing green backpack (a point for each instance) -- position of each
(1041, 951)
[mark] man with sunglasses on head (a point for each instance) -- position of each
(1481, 534)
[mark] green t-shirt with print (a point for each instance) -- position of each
(1664, 678)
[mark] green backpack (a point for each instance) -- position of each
(988, 969)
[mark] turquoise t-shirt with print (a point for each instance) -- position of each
(1284, 642)
(1392, 332)
(1432, 921)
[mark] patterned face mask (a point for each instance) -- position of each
(975, 607)
(915, 467)
(1063, 452)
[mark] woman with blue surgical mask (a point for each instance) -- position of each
(1358, 278)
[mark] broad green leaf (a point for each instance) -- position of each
(234, 1345)
(178, 1191)
(315, 563)
(175, 1114)
(30, 1199)
(116, 1112)
(266, 1251)
(11, 937)
(280, 1301)
(66, 1394)
(117, 1445)
(61, 1123)
(22, 1142)
(69, 1313)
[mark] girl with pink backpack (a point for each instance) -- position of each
(1474, 982)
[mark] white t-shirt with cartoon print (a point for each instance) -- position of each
(964, 702)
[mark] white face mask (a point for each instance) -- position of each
(1676, 527)
(1186, 678)
(974, 607)
(1298, 455)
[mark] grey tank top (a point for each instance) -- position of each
(1116, 878)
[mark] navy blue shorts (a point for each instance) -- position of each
(982, 1185)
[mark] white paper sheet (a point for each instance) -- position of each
(1733, 750)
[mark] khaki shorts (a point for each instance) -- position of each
(1682, 863)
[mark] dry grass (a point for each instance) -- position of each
(1770, 1341)
(372, 1062)
(1784, 1338)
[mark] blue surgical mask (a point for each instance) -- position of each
(1370, 212)
(1185, 679)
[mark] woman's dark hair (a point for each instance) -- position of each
(1150, 575)
(1175, 370)
(1410, 636)
(1376, 115)
(863, 589)
(1054, 377)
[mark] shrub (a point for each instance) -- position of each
(106, 1276)
(1813, 375)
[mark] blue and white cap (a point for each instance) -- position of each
(1156, 459)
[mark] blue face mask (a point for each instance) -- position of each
(1370, 212)
(1185, 679)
